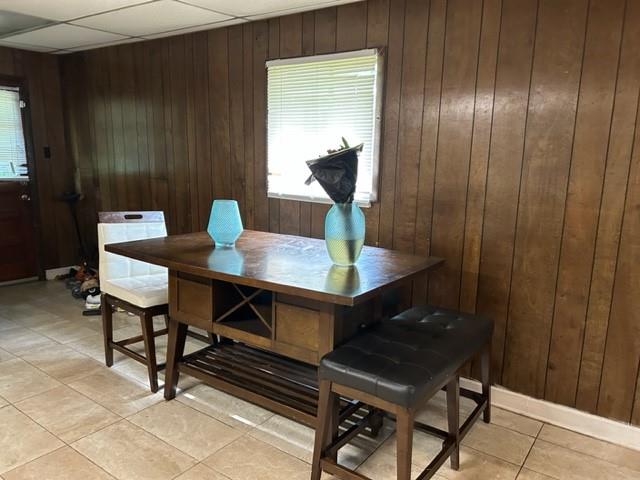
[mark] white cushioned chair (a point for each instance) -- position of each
(137, 287)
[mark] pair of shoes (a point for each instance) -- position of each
(92, 302)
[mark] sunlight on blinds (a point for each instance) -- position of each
(13, 158)
(312, 102)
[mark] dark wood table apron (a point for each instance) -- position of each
(277, 302)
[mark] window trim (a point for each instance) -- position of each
(377, 126)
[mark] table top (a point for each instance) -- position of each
(281, 263)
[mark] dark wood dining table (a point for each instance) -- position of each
(278, 305)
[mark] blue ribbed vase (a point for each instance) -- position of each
(344, 228)
(225, 224)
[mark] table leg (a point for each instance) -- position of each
(175, 351)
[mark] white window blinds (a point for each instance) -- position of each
(312, 102)
(13, 158)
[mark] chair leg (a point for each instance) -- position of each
(485, 367)
(323, 427)
(146, 321)
(453, 416)
(404, 440)
(107, 330)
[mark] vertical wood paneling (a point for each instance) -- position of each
(547, 155)
(260, 52)
(191, 135)
(622, 351)
(454, 147)
(274, 52)
(593, 122)
(625, 109)
(517, 33)
(247, 85)
(510, 161)
(290, 46)
(429, 138)
(391, 115)
(479, 162)
(236, 114)
(410, 124)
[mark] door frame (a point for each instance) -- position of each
(25, 113)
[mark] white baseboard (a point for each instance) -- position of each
(566, 417)
(52, 273)
(16, 282)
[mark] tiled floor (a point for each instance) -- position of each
(63, 415)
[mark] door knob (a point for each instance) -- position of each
(25, 198)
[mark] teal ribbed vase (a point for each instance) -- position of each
(344, 228)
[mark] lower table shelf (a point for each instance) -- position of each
(279, 383)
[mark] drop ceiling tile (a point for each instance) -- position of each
(12, 22)
(198, 28)
(263, 7)
(64, 36)
(290, 11)
(64, 9)
(151, 18)
(21, 46)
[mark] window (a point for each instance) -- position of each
(312, 102)
(13, 160)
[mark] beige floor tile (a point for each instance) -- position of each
(93, 346)
(65, 331)
(435, 412)
(499, 442)
(201, 472)
(564, 464)
(22, 440)
(515, 422)
(226, 408)
(63, 363)
(22, 311)
(19, 380)
(67, 414)
(129, 453)
(382, 466)
(526, 474)
(297, 440)
(187, 429)
(251, 459)
(39, 320)
(3, 402)
(20, 341)
(610, 452)
(4, 355)
(475, 465)
(63, 464)
(425, 448)
(6, 324)
(115, 392)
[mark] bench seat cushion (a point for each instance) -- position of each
(403, 359)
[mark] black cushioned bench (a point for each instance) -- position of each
(397, 366)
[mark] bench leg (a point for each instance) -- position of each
(107, 330)
(323, 427)
(404, 439)
(146, 321)
(453, 416)
(485, 373)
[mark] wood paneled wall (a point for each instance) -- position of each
(507, 147)
(41, 75)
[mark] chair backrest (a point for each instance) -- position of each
(116, 227)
